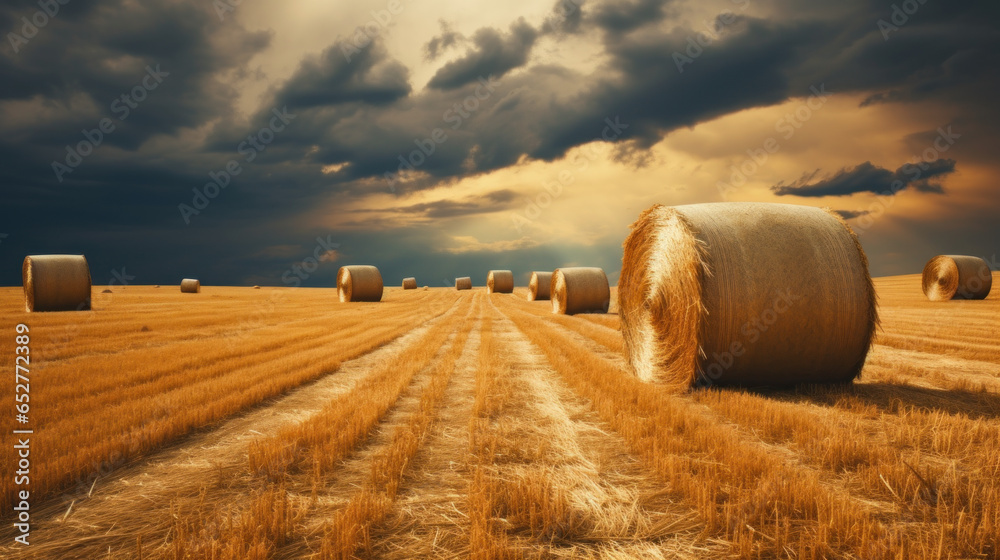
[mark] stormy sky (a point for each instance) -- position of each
(252, 142)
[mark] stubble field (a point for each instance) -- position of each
(279, 423)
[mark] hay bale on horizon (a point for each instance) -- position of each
(359, 283)
(463, 283)
(948, 277)
(256, 287)
(580, 289)
(409, 283)
(751, 294)
(56, 283)
(190, 286)
(500, 282)
(540, 285)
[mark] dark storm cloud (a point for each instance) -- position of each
(851, 214)
(622, 16)
(92, 57)
(120, 205)
(440, 43)
(494, 53)
(331, 79)
(871, 178)
(483, 204)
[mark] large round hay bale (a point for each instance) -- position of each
(463, 283)
(409, 283)
(580, 289)
(749, 294)
(190, 286)
(539, 287)
(56, 283)
(957, 277)
(359, 283)
(500, 282)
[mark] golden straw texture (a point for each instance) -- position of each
(56, 283)
(539, 287)
(463, 283)
(409, 283)
(580, 289)
(190, 286)
(749, 294)
(359, 283)
(500, 282)
(949, 277)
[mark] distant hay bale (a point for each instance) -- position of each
(256, 287)
(580, 289)
(359, 283)
(957, 277)
(409, 283)
(539, 287)
(749, 294)
(156, 286)
(106, 291)
(56, 283)
(500, 282)
(463, 283)
(190, 286)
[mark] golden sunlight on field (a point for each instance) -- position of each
(279, 423)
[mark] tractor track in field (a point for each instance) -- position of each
(138, 498)
(624, 507)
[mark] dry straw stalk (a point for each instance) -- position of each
(745, 294)
(56, 283)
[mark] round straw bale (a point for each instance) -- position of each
(409, 283)
(256, 287)
(957, 277)
(359, 283)
(190, 286)
(539, 287)
(751, 294)
(580, 289)
(500, 282)
(56, 283)
(463, 283)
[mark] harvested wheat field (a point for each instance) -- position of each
(281, 423)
